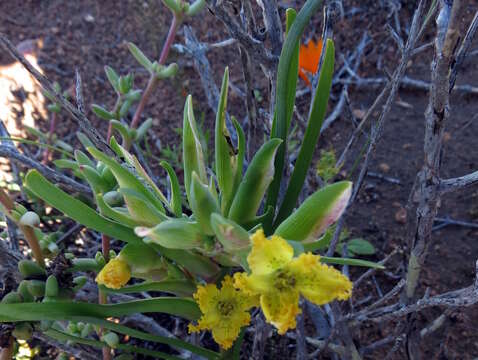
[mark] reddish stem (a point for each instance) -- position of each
(102, 297)
(153, 81)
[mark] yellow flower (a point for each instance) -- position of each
(115, 274)
(225, 311)
(279, 280)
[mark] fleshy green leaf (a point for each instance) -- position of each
(232, 236)
(193, 156)
(177, 287)
(251, 190)
(113, 77)
(317, 213)
(126, 179)
(311, 135)
(358, 246)
(140, 57)
(203, 204)
(175, 203)
(64, 310)
(225, 157)
(173, 234)
(286, 85)
(352, 262)
(76, 209)
(102, 113)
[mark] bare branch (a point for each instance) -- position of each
(450, 185)
(49, 173)
(252, 45)
(465, 46)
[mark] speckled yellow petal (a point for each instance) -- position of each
(224, 310)
(281, 309)
(266, 255)
(318, 282)
(225, 332)
(252, 284)
(115, 274)
(206, 297)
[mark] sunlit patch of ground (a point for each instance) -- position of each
(21, 100)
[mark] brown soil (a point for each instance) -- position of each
(86, 35)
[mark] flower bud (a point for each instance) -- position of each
(115, 274)
(30, 218)
(12, 298)
(29, 268)
(51, 287)
(111, 339)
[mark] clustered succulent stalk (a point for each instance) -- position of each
(219, 230)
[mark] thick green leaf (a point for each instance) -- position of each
(122, 217)
(203, 204)
(352, 262)
(174, 234)
(195, 263)
(311, 135)
(94, 179)
(177, 287)
(285, 90)
(102, 113)
(113, 78)
(225, 157)
(133, 161)
(175, 203)
(241, 153)
(140, 208)
(319, 211)
(140, 57)
(193, 156)
(251, 190)
(358, 246)
(64, 310)
(232, 236)
(127, 179)
(75, 209)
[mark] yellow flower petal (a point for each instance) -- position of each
(225, 311)
(318, 282)
(115, 274)
(281, 309)
(268, 255)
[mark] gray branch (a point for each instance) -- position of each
(449, 185)
(69, 184)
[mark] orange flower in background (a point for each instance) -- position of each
(309, 56)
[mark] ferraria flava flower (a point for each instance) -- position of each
(279, 279)
(224, 311)
(309, 56)
(115, 274)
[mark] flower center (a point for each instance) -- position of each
(225, 308)
(284, 281)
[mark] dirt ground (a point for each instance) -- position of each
(86, 35)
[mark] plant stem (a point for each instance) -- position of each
(102, 296)
(7, 353)
(27, 231)
(32, 241)
(153, 81)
